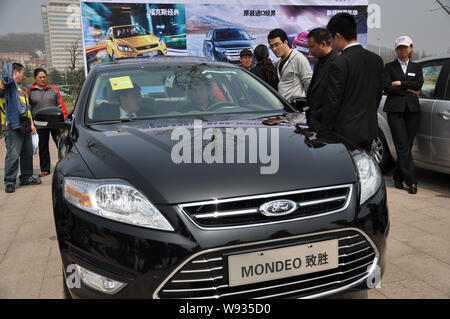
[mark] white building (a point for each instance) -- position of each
(62, 28)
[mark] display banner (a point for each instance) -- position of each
(217, 30)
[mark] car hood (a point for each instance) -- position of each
(143, 157)
(234, 44)
(139, 41)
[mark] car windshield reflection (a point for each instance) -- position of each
(178, 91)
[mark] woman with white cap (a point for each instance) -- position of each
(403, 80)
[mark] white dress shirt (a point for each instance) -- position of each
(350, 45)
(404, 65)
(125, 115)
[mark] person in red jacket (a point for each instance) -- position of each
(43, 95)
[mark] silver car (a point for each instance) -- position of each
(431, 148)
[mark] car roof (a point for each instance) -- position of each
(122, 64)
(434, 58)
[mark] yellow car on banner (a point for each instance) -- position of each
(129, 41)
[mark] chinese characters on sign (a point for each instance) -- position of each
(164, 12)
(316, 260)
(259, 13)
(334, 12)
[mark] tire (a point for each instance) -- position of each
(381, 154)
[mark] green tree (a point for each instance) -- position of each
(55, 78)
(28, 71)
(75, 79)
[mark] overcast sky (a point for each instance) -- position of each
(417, 18)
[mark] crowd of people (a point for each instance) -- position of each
(342, 94)
(17, 108)
(345, 90)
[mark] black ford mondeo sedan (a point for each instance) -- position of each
(170, 185)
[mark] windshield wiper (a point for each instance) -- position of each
(113, 121)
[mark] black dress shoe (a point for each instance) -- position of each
(10, 188)
(412, 189)
(398, 184)
(30, 181)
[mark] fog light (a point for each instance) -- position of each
(100, 283)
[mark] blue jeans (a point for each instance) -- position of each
(19, 148)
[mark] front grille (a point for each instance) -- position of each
(147, 47)
(245, 211)
(202, 277)
(235, 52)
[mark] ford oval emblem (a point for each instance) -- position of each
(278, 207)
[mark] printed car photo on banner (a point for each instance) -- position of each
(221, 32)
(216, 29)
(298, 21)
(128, 30)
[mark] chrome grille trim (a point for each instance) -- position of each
(206, 260)
(369, 272)
(267, 196)
(352, 245)
(200, 270)
(348, 237)
(226, 213)
(321, 201)
(198, 280)
(354, 261)
(280, 285)
(309, 288)
(353, 253)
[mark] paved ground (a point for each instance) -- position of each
(418, 257)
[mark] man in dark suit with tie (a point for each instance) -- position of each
(129, 105)
(355, 86)
(319, 43)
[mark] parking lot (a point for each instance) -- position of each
(418, 256)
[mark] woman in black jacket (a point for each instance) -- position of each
(403, 80)
(264, 67)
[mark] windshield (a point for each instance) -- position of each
(230, 35)
(168, 91)
(129, 31)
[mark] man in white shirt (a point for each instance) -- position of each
(130, 102)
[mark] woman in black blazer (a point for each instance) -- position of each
(403, 80)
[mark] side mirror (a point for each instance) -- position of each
(49, 117)
(298, 103)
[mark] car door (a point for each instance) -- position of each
(421, 150)
(440, 124)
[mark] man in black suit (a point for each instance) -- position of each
(355, 86)
(130, 105)
(319, 43)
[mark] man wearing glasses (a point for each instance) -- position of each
(293, 68)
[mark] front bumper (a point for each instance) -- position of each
(150, 262)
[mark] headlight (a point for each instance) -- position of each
(115, 200)
(161, 42)
(221, 50)
(369, 174)
(124, 48)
